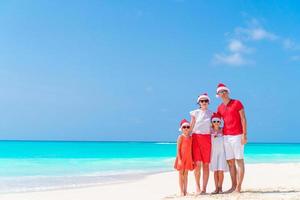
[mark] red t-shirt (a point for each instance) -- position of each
(231, 116)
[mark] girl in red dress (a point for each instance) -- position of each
(184, 160)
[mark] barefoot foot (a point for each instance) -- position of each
(230, 190)
(238, 189)
(220, 190)
(215, 192)
(198, 192)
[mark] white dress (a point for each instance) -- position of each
(218, 158)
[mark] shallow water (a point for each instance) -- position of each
(34, 166)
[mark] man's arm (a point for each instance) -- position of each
(244, 125)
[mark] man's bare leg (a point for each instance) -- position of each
(240, 174)
(232, 170)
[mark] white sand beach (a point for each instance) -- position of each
(262, 181)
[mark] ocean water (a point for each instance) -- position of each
(35, 166)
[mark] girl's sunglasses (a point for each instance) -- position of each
(204, 101)
(184, 127)
(216, 122)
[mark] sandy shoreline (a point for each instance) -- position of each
(262, 181)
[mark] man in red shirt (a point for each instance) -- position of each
(235, 135)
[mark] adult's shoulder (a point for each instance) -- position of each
(220, 106)
(238, 103)
(194, 112)
(236, 100)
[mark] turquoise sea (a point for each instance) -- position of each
(40, 165)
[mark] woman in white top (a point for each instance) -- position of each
(201, 141)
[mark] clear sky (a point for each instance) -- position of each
(131, 70)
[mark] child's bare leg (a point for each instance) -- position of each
(197, 177)
(185, 181)
(220, 180)
(181, 182)
(216, 178)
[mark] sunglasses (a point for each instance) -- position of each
(222, 92)
(184, 127)
(216, 122)
(204, 101)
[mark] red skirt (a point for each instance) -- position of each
(201, 147)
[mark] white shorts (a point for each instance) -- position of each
(234, 149)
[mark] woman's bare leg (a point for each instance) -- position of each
(197, 177)
(205, 176)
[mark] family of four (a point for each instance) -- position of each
(213, 141)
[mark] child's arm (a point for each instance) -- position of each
(179, 140)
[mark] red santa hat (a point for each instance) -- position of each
(184, 122)
(221, 87)
(202, 97)
(216, 117)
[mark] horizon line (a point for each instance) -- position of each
(141, 141)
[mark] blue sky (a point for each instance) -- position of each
(131, 70)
